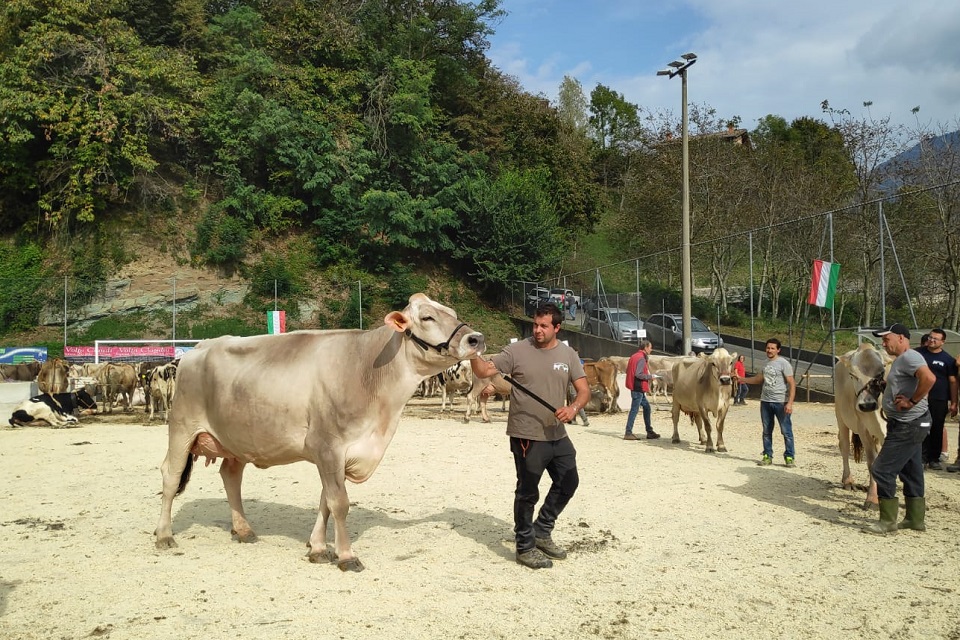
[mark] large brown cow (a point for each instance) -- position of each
(116, 382)
(603, 373)
(20, 372)
(702, 386)
(54, 376)
(333, 398)
(857, 377)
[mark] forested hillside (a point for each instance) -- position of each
(378, 136)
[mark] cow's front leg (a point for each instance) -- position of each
(318, 537)
(231, 472)
(843, 437)
(334, 501)
(872, 501)
(707, 439)
(721, 447)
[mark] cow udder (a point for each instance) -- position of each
(207, 446)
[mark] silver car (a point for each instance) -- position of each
(665, 331)
(614, 323)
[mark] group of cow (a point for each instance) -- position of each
(67, 391)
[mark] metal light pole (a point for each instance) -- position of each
(678, 67)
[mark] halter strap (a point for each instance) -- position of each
(423, 344)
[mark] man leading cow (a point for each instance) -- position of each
(908, 423)
(538, 437)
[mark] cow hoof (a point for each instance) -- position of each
(710, 450)
(166, 543)
(870, 506)
(248, 536)
(722, 449)
(321, 557)
(675, 440)
(351, 564)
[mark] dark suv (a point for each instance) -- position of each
(665, 331)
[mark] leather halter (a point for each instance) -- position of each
(423, 344)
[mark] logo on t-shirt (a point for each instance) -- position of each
(561, 366)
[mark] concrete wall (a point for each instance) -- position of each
(12, 394)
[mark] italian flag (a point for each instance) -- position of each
(823, 287)
(276, 322)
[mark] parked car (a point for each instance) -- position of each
(614, 323)
(535, 297)
(536, 294)
(560, 295)
(665, 331)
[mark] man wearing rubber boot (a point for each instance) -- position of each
(908, 423)
(540, 369)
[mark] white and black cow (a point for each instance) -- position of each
(56, 410)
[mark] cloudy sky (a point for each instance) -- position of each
(755, 57)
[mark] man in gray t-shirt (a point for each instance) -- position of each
(540, 369)
(908, 423)
(776, 401)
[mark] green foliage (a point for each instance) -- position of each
(514, 232)
(21, 297)
(216, 327)
(221, 238)
(403, 283)
(129, 326)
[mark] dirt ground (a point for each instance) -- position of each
(666, 542)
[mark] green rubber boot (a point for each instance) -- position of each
(888, 518)
(915, 508)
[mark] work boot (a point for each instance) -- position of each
(652, 435)
(888, 518)
(915, 508)
(935, 465)
(953, 468)
(534, 559)
(550, 548)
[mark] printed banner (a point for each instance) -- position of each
(276, 322)
(16, 355)
(823, 286)
(115, 353)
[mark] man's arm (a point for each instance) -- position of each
(483, 368)
(754, 379)
(953, 395)
(569, 412)
(791, 393)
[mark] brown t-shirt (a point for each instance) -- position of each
(546, 372)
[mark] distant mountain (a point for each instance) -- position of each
(893, 168)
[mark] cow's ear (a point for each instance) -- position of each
(396, 321)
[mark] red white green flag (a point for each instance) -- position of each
(824, 285)
(276, 321)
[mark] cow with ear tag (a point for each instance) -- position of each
(332, 398)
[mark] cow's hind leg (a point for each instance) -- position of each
(175, 471)
(231, 472)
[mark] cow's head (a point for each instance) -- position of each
(868, 367)
(85, 401)
(721, 362)
(434, 327)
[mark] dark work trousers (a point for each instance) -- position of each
(934, 442)
(532, 458)
(901, 455)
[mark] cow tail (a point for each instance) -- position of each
(857, 448)
(185, 475)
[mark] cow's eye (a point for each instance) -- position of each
(428, 319)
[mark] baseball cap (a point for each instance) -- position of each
(896, 327)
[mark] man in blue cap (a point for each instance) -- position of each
(908, 423)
